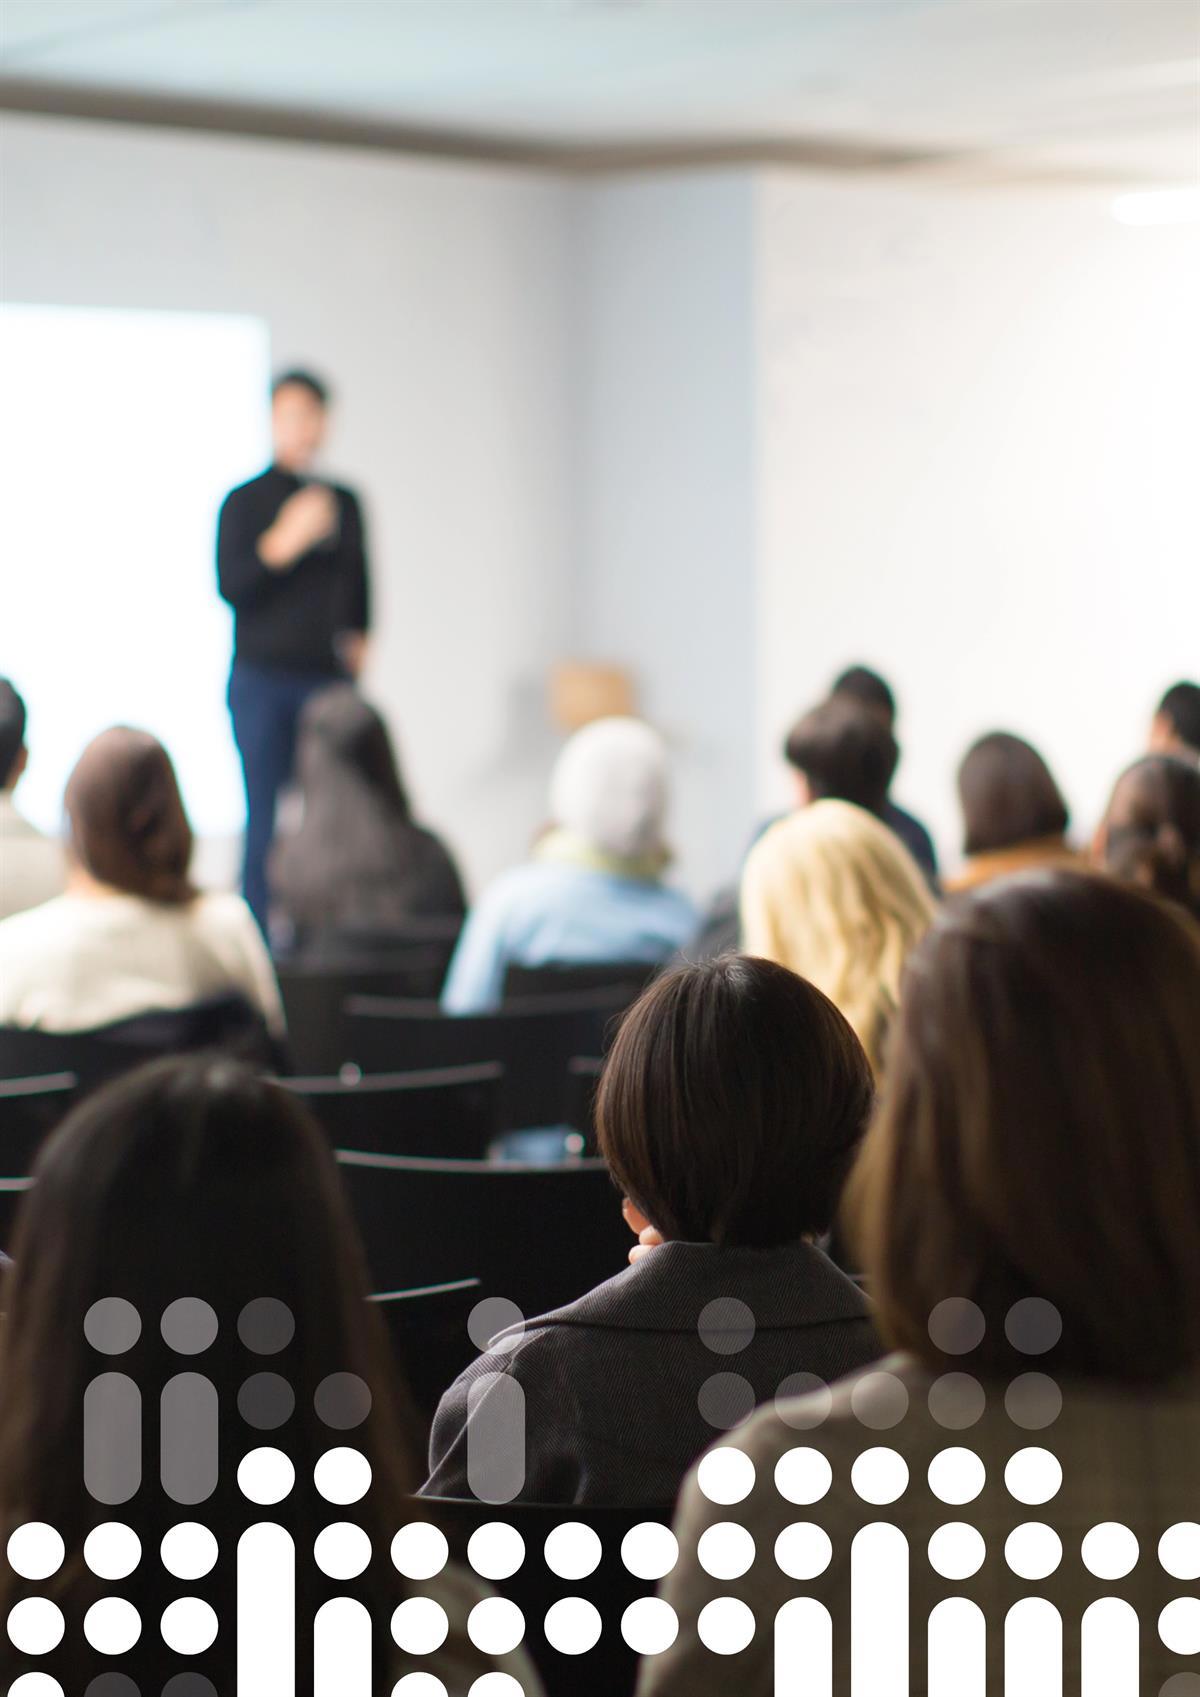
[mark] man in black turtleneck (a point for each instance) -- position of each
(291, 562)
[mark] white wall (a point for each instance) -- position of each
(665, 481)
(435, 296)
(978, 418)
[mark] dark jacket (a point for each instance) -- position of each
(624, 1388)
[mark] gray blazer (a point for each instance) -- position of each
(624, 1388)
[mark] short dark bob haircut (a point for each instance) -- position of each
(732, 1103)
(846, 753)
(1008, 795)
(125, 816)
(1038, 1134)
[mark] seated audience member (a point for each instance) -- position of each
(593, 891)
(188, 1219)
(1027, 1209)
(729, 1110)
(831, 893)
(1014, 816)
(861, 684)
(1151, 832)
(131, 934)
(1176, 725)
(31, 865)
(358, 862)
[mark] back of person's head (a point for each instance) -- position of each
(845, 752)
(731, 1104)
(831, 893)
(1007, 795)
(1151, 831)
(12, 734)
(1039, 1134)
(125, 816)
(1176, 726)
(195, 1208)
(861, 684)
(609, 788)
(341, 738)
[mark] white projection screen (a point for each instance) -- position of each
(120, 431)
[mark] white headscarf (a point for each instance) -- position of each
(609, 790)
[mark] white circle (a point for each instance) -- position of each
(35, 1685)
(1033, 1475)
(497, 1685)
(496, 1626)
(573, 1550)
(956, 1476)
(649, 1626)
(573, 1626)
(419, 1685)
(496, 1550)
(1179, 1626)
(726, 1550)
(879, 1475)
(36, 1626)
(956, 1550)
(112, 1550)
(189, 1626)
(112, 1626)
(35, 1550)
(803, 1476)
(1110, 1550)
(1033, 1550)
(420, 1550)
(1179, 1550)
(725, 1626)
(342, 1476)
(188, 1551)
(420, 1626)
(342, 1551)
(803, 1550)
(725, 1476)
(265, 1476)
(649, 1550)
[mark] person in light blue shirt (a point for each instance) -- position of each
(593, 891)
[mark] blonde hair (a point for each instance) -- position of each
(833, 894)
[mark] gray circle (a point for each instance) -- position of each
(1033, 1401)
(112, 1325)
(342, 1400)
(879, 1400)
(726, 1325)
(956, 1326)
(725, 1400)
(803, 1401)
(1181, 1685)
(265, 1401)
(189, 1325)
(266, 1325)
(957, 1401)
(113, 1685)
(494, 1314)
(189, 1685)
(1033, 1325)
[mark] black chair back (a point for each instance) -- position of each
(449, 1113)
(533, 1043)
(316, 991)
(30, 1108)
(226, 1022)
(11, 1192)
(540, 1236)
(429, 1337)
(609, 1669)
(626, 979)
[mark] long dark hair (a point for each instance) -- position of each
(1039, 1130)
(357, 856)
(1151, 832)
(192, 1179)
(126, 819)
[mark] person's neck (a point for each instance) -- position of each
(80, 882)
